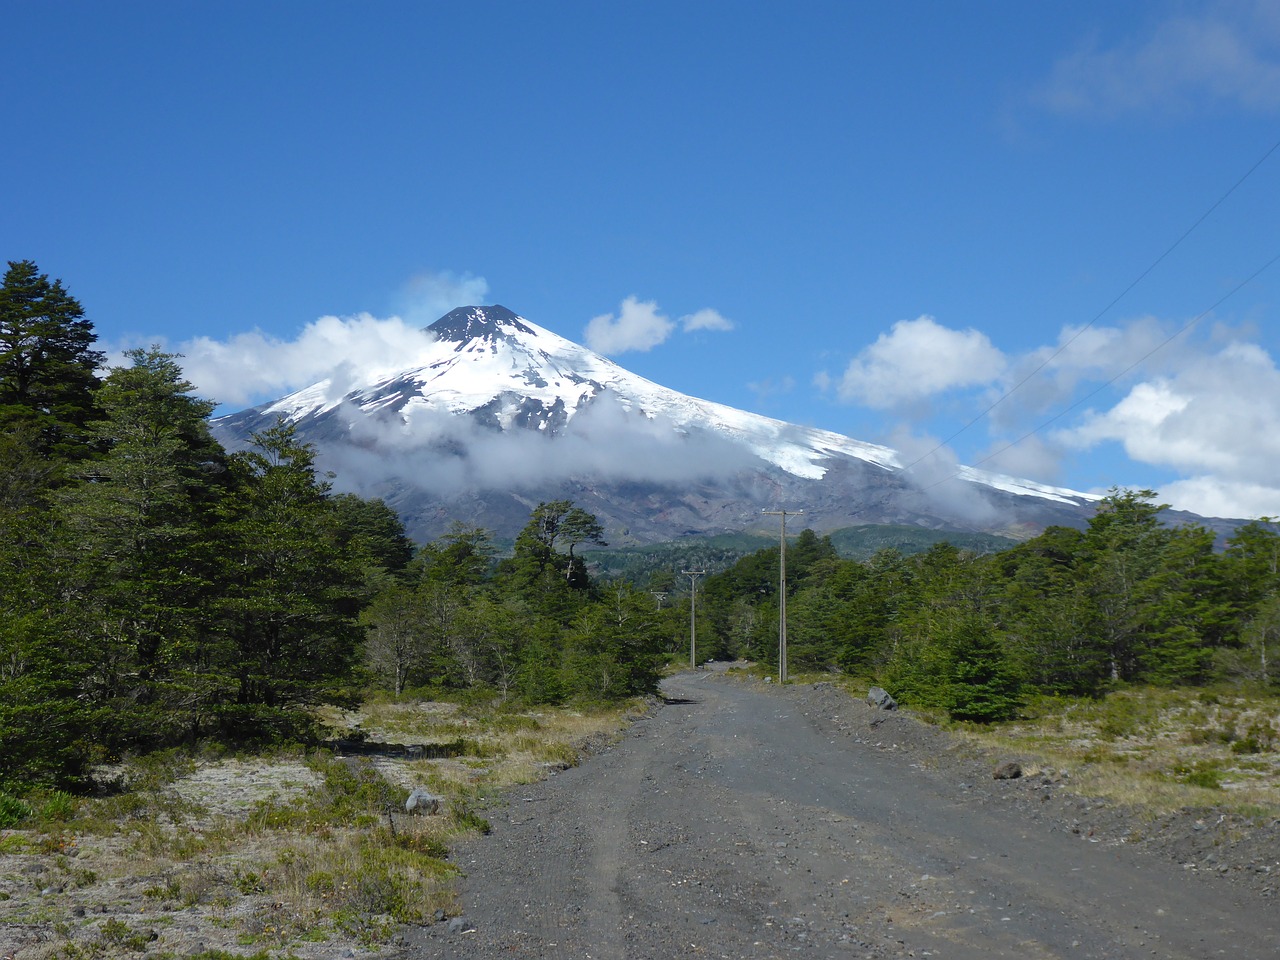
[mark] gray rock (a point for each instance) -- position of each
(1009, 770)
(421, 800)
(879, 697)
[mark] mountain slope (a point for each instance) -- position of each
(496, 413)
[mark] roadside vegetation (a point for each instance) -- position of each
(1156, 750)
(1127, 602)
(280, 852)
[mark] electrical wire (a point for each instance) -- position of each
(1101, 313)
(1093, 393)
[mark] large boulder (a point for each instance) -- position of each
(1008, 770)
(879, 697)
(421, 800)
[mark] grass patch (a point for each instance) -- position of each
(1156, 749)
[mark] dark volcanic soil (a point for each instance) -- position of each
(745, 820)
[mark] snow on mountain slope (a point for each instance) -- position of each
(522, 375)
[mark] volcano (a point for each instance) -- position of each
(496, 414)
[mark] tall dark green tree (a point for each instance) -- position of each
(293, 596)
(47, 361)
(140, 550)
(462, 557)
(374, 535)
(1122, 552)
(546, 577)
(1048, 614)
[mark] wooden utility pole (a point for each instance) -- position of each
(782, 590)
(693, 576)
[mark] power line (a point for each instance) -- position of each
(1093, 393)
(1101, 313)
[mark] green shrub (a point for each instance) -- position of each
(465, 816)
(56, 806)
(1199, 775)
(12, 811)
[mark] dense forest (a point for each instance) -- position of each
(156, 589)
(1070, 612)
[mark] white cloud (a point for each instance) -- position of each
(1229, 54)
(251, 367)
(1214, 420)
(917, 359)
(449, 455)
(1218, 497)
(769, 387)
(639, 325)
(933, 469)
(1032, 457)
(1204, 407)
(705, 319)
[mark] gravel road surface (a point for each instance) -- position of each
(739, 821)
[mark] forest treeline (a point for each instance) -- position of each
(1070, 612)
(156, 589)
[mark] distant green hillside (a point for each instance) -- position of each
(859, 543)
(639, 564)
(713, 554)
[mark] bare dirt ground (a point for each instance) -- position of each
(744, 820)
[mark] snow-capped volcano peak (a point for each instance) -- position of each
(478, 323)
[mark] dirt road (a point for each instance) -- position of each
(735, 823)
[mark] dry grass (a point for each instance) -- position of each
(293, 854)
(1162, 750)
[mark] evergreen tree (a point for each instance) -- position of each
(980, 685)
(140, 549)
(1048, 617)
(293, 596)
(1121, 553)
(375, 536)
(553, 583)
(47, 364)
(463, 556)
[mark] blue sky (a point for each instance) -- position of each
(877, 218)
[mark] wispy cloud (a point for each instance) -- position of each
(705, 319)
(252, 367)
(447, 455)
(768, 388)
(1230, 53)
(640, 325)
(429, 295)
(1214, 421)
